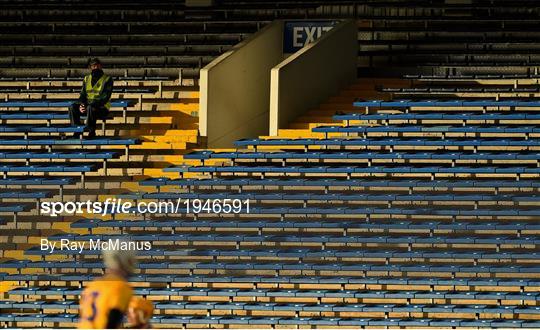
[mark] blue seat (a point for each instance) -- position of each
(235, 320)
(295, 321)
(481, 323)
(26, 194)
(265, 320)
(64, 305)
(330, 321)
(58, 155)
(13, 208)
(45, 168)
(445, 323)
(424, 322)
(34, 181)
(527, 324)
(7, 304)
(176, 319)
(33, 115)
(176, 305)
(40, 129)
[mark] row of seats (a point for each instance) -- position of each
(209, 292)
(298, 268)
(113, 62)
(173, 321)
(49, 78)
(389, 142)
(441, 115)
(52, 90)
(175, 306)
(337, 182)
(451, 90)
(447, 103)
(344, 197)
(472, 76)
(411, 226)
(306, 281)
(439, 229)
(372, 155)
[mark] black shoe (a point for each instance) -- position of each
(91, 135)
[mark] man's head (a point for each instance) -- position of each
(94, 63)
(120, 262)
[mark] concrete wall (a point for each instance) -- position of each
(235, 89)
(311, 75)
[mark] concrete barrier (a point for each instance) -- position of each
(313, 74)
(235, 89)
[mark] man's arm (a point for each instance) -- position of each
(105, 94)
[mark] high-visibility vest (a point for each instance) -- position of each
(93, 92)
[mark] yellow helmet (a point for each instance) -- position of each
(122, 259)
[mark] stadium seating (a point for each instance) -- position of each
(411, 199)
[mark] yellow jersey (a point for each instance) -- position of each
(100, 297)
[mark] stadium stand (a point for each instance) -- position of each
(405, 201)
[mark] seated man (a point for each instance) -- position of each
(94, 99)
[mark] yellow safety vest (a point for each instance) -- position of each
(93, 92)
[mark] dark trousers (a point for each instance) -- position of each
(92, 115)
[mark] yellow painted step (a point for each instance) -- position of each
(160, 145)
(15, 254)
(159, 173)
(195, 95)
(293, 132)
(191, 109)
(130, 185)
(298, 133)
(176, 132)
(218, 150)
(173, 159)
(5, 286)
(170, 139)
(64, 225)
(191, 106)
